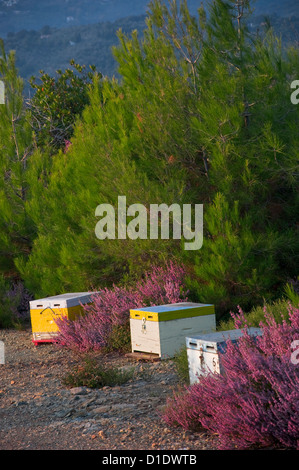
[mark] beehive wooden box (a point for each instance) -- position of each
(162, 330)
(44, 312)
(204, 351)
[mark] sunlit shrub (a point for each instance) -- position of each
(256, 400)
(106, 321)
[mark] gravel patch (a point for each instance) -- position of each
(38, 412)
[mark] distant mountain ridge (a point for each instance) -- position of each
(50, 48)
(17, 15)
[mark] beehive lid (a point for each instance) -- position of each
(62, 300)
(212, 342)
(172, 311)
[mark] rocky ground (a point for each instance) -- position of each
(38, 412)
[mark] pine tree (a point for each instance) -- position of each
(247, 125)
(202, 114)
(131, 141)
(15, 149)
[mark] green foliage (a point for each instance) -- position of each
(89, 373)
(182, 367)
(202, 114)
(251, 221)
(120, 338)
(279, 309)
(8, 305)
(291, 291)
(15, 149)
(66, 253)
(57, 102)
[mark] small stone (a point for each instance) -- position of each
(78, 390)
(21, 403)
(87, 403)
(102, 409)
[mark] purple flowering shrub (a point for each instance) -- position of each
(256, 400)
(14, 303)
(105, 322)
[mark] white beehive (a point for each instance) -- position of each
(204, 351)
(162, 330)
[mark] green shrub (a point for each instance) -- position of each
(93, 375)
(181, 364)
(6, 305)
(292, 291)
(57, 102)
(120, 338)
(14, 304)
(279, 310)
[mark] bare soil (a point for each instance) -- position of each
(38, 412)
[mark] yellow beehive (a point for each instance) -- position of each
(44, 312)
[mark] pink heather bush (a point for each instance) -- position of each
(256, 401)
(111, 308)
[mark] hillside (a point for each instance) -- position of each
(16, 15)
(50, 48)
(47, 35)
